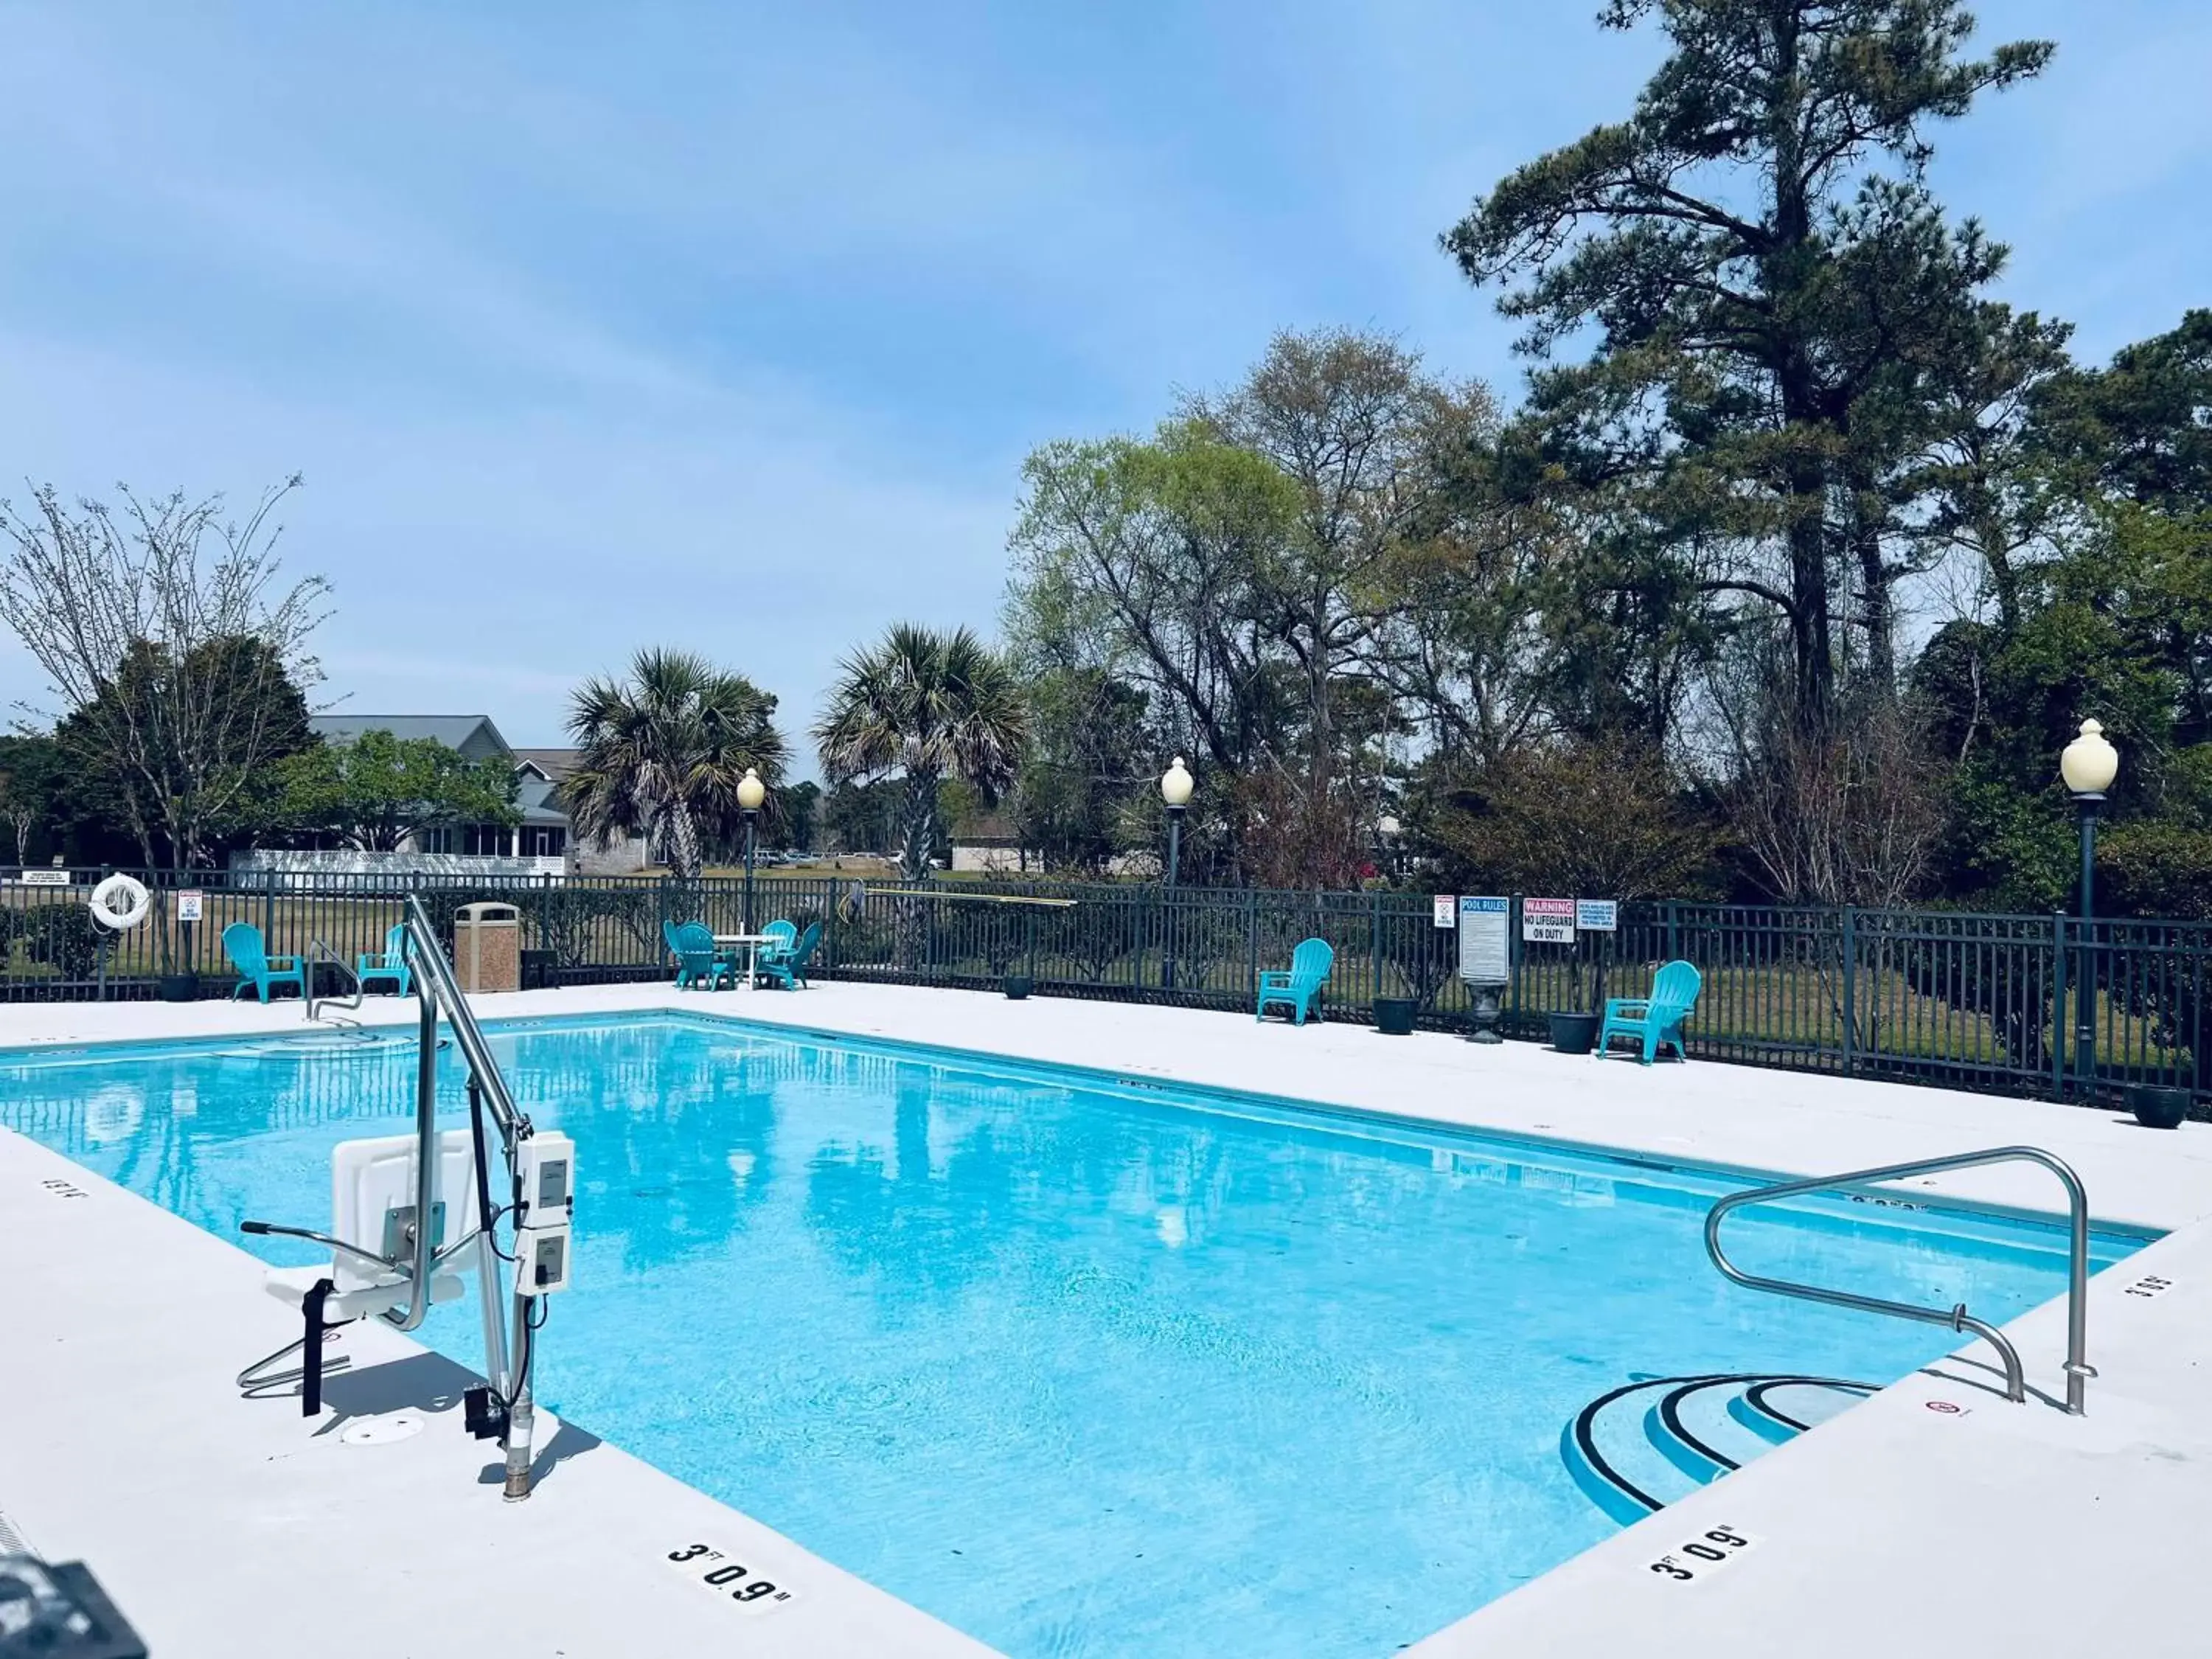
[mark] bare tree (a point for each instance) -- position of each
(1846, 815)
(176, 652)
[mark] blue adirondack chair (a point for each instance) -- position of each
(390, 963)
(697, 965)
(1298, 990)
(1657, 1020)
(778, 939)
(257, 969)
(789, 969)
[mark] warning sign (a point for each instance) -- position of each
(1597, 915)
(1547, 921)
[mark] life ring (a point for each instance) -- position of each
(132, 910)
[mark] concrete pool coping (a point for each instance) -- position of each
(145, 1447)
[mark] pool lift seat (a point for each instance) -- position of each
(388, 1262)
(373, 1192)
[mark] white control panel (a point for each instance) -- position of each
(545, 1170)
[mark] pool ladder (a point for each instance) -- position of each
(317, 952)
(2078, 1369)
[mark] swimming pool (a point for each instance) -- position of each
(1084, 1366)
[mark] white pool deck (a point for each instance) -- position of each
(1935, 1518)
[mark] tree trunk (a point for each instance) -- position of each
(1877, 613)
(1808, 596)
(684, 843)
(919, 830)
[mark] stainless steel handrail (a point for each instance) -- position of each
(427, 958)
(507, 1370)
(2078, 1369)
(319, 951)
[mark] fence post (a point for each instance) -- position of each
(1375, 946)
(2056, 1008)
(1850, 1004)
(1514, 954)
(1674, 933)
(1251, 944)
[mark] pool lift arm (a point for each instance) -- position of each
(413, 1271)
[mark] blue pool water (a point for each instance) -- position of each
(1082, 1367)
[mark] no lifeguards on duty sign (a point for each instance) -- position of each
(1547, 921)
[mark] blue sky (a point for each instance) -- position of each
(728, 326)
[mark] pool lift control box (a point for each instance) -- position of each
(545, 1171)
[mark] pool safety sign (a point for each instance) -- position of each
(1597, 915)
(1485, 947)
(1547, 921)
(1444, 911)
(190, 904)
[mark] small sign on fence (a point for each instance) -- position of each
(1485, 948)
(45, 878)
(1598, 915)
(1445, 911)
(1547, 921)
(191, 903)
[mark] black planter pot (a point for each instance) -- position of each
(1574, 1034)
(177, 988)
(2159, 1109)
(1018, 986)
(1394, 1016)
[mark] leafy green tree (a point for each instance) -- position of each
(2117, 626)
(33, 795)
(184, 757)
(1248, 573)
(1599, 819)
(661, 755)
(1358, 436)
(1741, 266)
(927, 708)
(1983, 475)
(375, 791)
(862, 817)
(2136, 430)
(1143, 564)
(800, 813)
(1090, 768)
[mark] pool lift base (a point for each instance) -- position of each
(381, 1187)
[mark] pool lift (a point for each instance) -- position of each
(384, 1265)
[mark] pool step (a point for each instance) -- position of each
(1639, 1447)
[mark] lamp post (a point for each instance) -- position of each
(1175, 789)
(2088, 764)
(751, 792)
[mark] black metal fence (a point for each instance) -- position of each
(1969, 1001)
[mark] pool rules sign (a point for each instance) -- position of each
(1485, 948)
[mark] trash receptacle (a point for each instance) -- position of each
(488, 947)
(541, 970)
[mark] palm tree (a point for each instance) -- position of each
(661, 754)
(929, 707)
